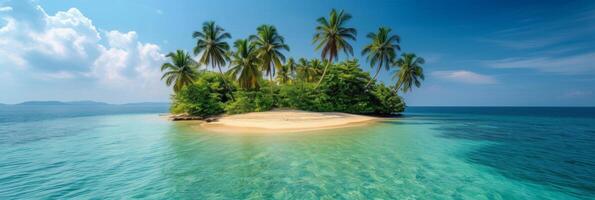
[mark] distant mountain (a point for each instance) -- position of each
(88, 103)
(47, 103)
(147, 104)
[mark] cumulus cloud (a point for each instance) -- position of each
(464, 76)
(67, 45)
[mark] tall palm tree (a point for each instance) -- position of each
(244, 65)
(382, 50)
(181, 71)
(410, 72)
(332, 35)
(213, 47)
(269, 45)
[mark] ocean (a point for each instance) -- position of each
(123, 152)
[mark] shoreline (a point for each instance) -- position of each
(284, 121)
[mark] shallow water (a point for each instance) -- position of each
(429, 153)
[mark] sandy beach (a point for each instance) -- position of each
(285, 121)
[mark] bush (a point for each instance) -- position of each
(388, 100)
(217, 84)
(346, 84)
(301, 96)
(205, 97)
(250, 101)
(343, 90)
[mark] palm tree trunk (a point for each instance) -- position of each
(272, 83)
(271, 78)
(225, 82)
(330, 61)
(375, 75)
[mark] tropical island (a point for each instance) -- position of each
(261, 78)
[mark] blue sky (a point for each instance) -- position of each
(478, 53)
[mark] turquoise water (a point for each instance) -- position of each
(429, 153)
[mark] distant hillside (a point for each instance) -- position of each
(88, 103)
(147, 104)
(47, 103)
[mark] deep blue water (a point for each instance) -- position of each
(111, 151)
(553, 146)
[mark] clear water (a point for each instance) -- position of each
(429, 153)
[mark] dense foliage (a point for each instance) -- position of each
(205, 97)
(344, 90)
(250, 101)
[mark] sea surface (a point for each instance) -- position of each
(126, 152)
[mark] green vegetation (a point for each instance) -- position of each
(205, 97)
(331, 36)
(308, 84)
(410, 72)
(382, 50)
(269, 45)
(181, 72)
(244, 65)
(213, 47)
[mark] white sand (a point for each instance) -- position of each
(285, 121)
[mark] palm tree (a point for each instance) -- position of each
(332, 35)
(308, 70)
(304, 72)
(286, 72)
(213, 47)
(382, 50)
(181, 71)
(410, 72)
(269, 45)
(244, 65)
(302, 62)
(317, 67)
(292, 66)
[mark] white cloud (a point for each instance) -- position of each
(127, 58)
(117, 39)
(58, 75)
(575, 64)
(5, 9)
(68, 46)
(65, 41)
(464, 76)
(9, 26)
